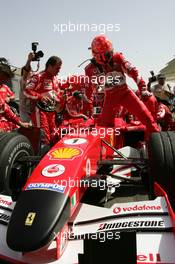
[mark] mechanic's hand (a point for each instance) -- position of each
(25, 124)
(100, 88)
(111, 83)
(7, 99)
(146, 93)
(31, 56)
(64, 97)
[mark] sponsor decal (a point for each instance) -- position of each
(53, 170)
(74, 199)
(131, 224)
(118, 210)
(153, 257)
(65, 153)
(88, 168)
(75, 141)
(46, 186)
(4, 217)
(4, 202)
(17, 147)
(63, 242)
(30, 218)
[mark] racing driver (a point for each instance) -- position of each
(113, 67)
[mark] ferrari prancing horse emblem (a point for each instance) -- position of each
(30, 218)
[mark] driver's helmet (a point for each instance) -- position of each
(49, 107)
(102, 49)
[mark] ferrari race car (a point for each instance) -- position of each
(98, 195)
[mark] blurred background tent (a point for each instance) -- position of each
(169, 72)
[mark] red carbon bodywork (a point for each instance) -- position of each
(70, 163)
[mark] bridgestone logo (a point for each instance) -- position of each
(19, 146)
(4, 217)
(131, 224)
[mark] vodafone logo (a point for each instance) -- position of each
(135, 208)
(117, 210)
(4, 202)
(53, 170)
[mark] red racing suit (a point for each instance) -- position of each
(118, 93)
(150, 102)
(40, 85)
(87, 91)
(8, 120)
(6, 93)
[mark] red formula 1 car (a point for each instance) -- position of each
(49, 211)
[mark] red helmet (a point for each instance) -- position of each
(102, 49)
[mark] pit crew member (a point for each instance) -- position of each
(43, 90)
(8, 119)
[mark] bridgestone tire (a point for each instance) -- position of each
(12, 147)
(161, 151)
(2, 135)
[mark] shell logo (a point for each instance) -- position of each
(65, 153)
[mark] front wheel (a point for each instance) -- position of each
(13, 173)
(161, 151)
